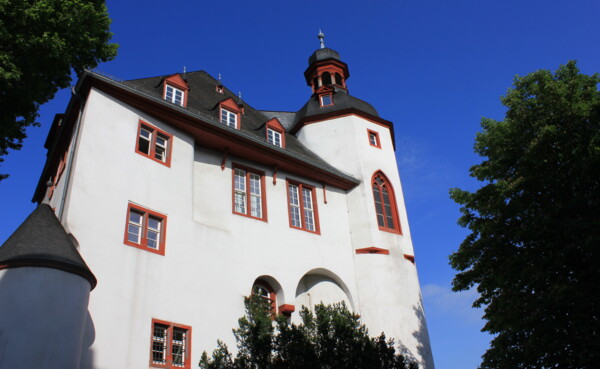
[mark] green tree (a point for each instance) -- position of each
(41, 41)
(533, 251)
(331, 337)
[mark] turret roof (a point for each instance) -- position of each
(41, 241)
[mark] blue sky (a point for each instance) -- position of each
(434, 68)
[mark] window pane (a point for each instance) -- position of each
(254, 184)
(388, 208)
(169, 94)
(159, 344)
(309, 221)
(373, 139)
(378, 205)
(240, 202)
(144, 141)
(134, 227)
(153, 234)
(240, 180)
(178, 99)
(256, 206)
(178, 347)
(294, 206)
(159, 153)
(293, 192)
(325, 100)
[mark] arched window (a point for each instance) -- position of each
(326, 78)
(265, 291)
(338, 80)
(385, 204)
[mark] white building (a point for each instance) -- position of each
(182, 199)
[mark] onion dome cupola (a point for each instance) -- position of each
(325, 69)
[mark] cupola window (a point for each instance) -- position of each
(326, 77)
(326, 100)
(338, 80)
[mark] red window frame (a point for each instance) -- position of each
(263, 193)
(143, 237)
(168, 342)
(152, 149)
(301, 206)
(374, 136)
(272, 298)
(386, 212)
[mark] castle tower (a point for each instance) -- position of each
(364, 147)
(44, 290)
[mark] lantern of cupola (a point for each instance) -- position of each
(325, 69)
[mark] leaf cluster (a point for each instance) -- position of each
(41, 41)
(330, 337)
(533, 251)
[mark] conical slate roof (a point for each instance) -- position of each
(41, 241)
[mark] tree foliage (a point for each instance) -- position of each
(533, 251)
(41, 41)
(329, 338)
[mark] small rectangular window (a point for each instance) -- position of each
(248, 192)
(326, 100)
(145, 229)
(302, 207)
(154, 144)
(174, 95)
(274, 137)
(170, 345)
(374, 138)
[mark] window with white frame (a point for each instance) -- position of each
(274, 137)
(302, 207)
(174, 95)
(170, 345)
(228, 118)
(248, 192)
(145, 229)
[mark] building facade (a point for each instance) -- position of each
(182, 199)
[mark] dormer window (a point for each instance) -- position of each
(228, 118)
(275, 133)
(274, 137)
(174, 95)
(326, 100)
(220, 89)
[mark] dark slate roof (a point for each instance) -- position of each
(286, 118)
(41, 241)
(342, 101)
(204, 98)
(323, 54)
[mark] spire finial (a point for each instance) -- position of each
(321, 37)
(184, 69)
(219, 77)
(240, 94)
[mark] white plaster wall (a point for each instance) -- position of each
(42, 318)
(388, 286)
(212, 255)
